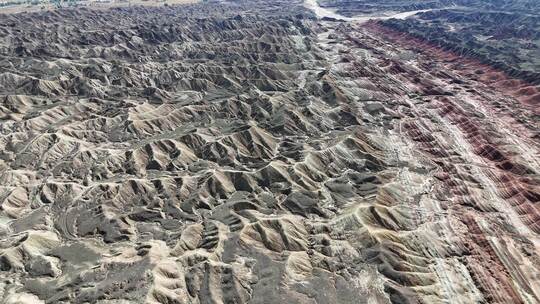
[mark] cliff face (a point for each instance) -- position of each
(247, 152)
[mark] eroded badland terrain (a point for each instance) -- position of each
(271, 152)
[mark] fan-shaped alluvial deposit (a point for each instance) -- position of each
(253, 152)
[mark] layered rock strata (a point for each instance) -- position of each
(248, 153)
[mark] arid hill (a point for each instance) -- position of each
(250, 152)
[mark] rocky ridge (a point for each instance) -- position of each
(248, 153)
